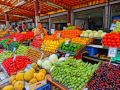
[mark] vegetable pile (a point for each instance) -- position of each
(81, 40)
(73, 73)
(13, 45)
(4, 55)
(70, 47)
(13, 66)
(22, 50)
(106, 78)
(34, 54)
(70, 33)
(37, 42)
(112, 40)
(3, 44)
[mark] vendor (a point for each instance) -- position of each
(40, 30)
(71, 27)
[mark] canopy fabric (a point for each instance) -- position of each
(22, 9)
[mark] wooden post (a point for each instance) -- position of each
(37, 9)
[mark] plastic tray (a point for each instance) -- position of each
(45, 87)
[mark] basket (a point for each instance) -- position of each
(38, 85)
(45, 87)
(34, 54)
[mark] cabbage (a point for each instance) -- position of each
(53, 58)
(46, 65)
(86, 34)
(91, 35)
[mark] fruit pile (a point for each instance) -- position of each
(51, 46)
(37, 42)
(33, 54)
(17, 82)
(70, 47)
(20, 37)
(13, 45)
(5, 55)
(112, 40)
(81, 40)
(70, 33)
(73, 73)
(106, 78)
(13, 66)
(51, 37)
(22, 50)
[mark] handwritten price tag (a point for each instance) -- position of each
(112, 52)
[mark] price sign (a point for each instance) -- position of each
(52, 31)
(112, 52)
(14, 58)
(67, 42)
(14, 49)
(59, 35)
(14, 39)
(67, 54)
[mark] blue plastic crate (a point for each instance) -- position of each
(45, 87)
(92, 51)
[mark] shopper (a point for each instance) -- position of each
(24, 27)
(17, 29)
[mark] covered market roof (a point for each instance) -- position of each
(22, 9)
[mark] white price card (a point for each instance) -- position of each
(112, 52)
(67, 42)
(67, 54)
(52, 31)
(14, 39)
(14, 57)
(59, 35)
(14, 49)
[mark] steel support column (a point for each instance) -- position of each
(69, 16)
(107, 17)
(37, 9)
(50, 24)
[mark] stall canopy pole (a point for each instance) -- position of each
(107, 16)
(6, 20)
(37, 8)
(69, 16)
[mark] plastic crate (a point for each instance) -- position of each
(45, 87)
(92, 51)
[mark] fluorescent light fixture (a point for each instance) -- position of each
(21, 3)
(53, 5)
